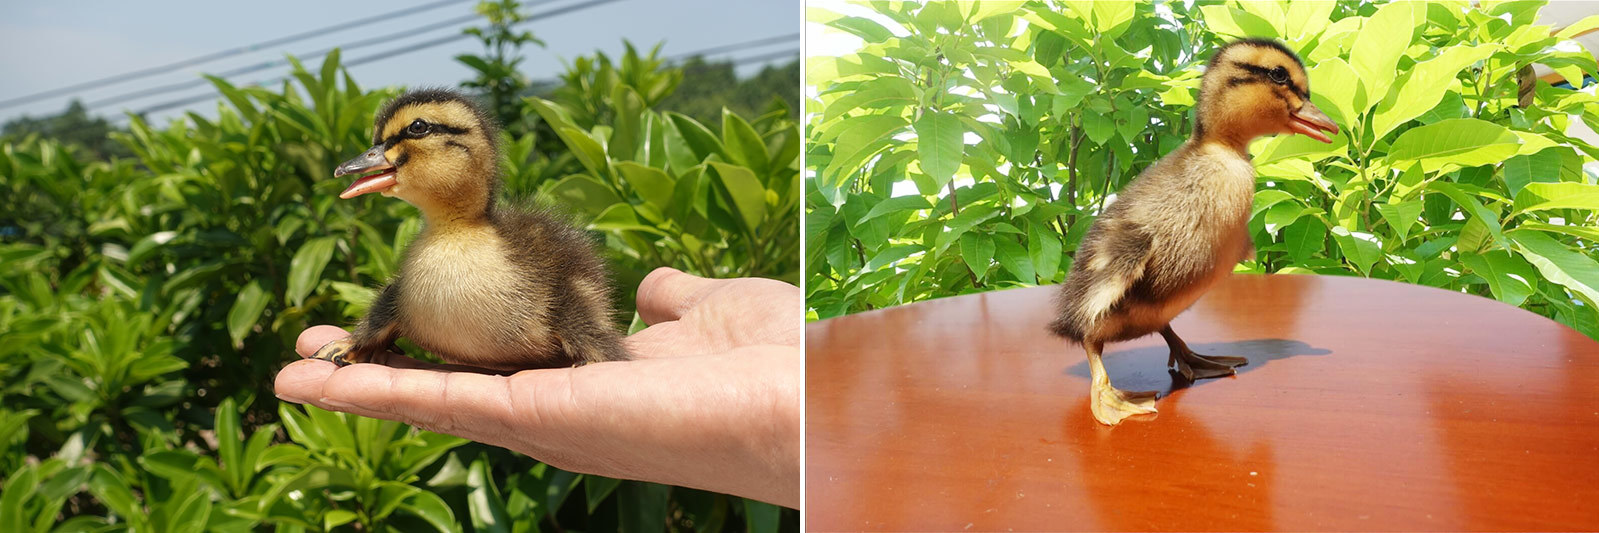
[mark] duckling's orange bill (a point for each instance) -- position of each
(371, 160)
(1310, 121)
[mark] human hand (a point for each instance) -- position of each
(711, 402)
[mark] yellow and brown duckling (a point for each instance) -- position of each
(1184, 222)
(485, 283)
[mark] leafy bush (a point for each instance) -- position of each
(145, 306)
(968, 145)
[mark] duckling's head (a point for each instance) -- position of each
(1256, 87)
(434, 148)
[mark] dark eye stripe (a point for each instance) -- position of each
(1265, 73)
(435, 128)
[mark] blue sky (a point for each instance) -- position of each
(45, 45)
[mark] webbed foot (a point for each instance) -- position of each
(1195, 366)
(1111, 405)
(338, 352)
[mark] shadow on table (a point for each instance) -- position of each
(1145, 368)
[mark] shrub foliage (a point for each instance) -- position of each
(146, 304)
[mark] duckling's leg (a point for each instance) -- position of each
(377, 332)
(1194, 366)
(1111, 405)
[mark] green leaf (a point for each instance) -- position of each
(336, 518)
(586, 148)
(1586, 233)
(1111, 18)
(891, 255)
(1587, 24)
(653, 185)
(977, 250)
(19, 486)
(1265, 198)
(699, 138)
(1013, 257)
(1546, 196)
(1384, 38)
(1098, 126)
(1360, 250)
(1463, 142)
(246, 311)
(1043, 246)
(1479, 214)
(1401, 216)
(1424, 86)
(743, 143)
(149, 245)
(1510, 278)
(983, 9)
(1236, 22)
(582, 193)
(896, 204)
(646, 507)
(484, 502)
(597, 488)
(748, 197)
(760, 517)
(940, 143)
(107, 486)
(860, 137)
(1543, 166)
(862, 27)
(192, 512)
(970, 216)
(305, 270)
(229, 442)
(1559, 263)
(1337, 84)
(1305, 237)
(877, 93)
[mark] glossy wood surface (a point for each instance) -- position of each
(1366, 406)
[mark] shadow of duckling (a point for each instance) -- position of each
(1145, 368)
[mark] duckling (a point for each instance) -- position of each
(1183, 223)
(486, 284)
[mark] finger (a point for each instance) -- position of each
(465, 404)
(667, 293)
(315, 337)
(301, 381)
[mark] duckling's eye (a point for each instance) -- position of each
(1279, 75)
(417, 127)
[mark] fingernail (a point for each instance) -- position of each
(330, 402)
(290, 399)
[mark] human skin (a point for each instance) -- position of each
(712, 400)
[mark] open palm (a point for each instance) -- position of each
(711, 402)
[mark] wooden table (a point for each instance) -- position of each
(1366, 406)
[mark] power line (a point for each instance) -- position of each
(144, 73)
(198, 82)
(144, 93)
(442, 40)
(209, 95)
(793, 53)
(375, 57)
(737, 46)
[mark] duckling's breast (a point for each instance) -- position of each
(461, 298)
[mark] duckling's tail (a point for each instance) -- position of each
(1067, 324)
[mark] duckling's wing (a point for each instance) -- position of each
(1115, 262)
(1110, 261)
